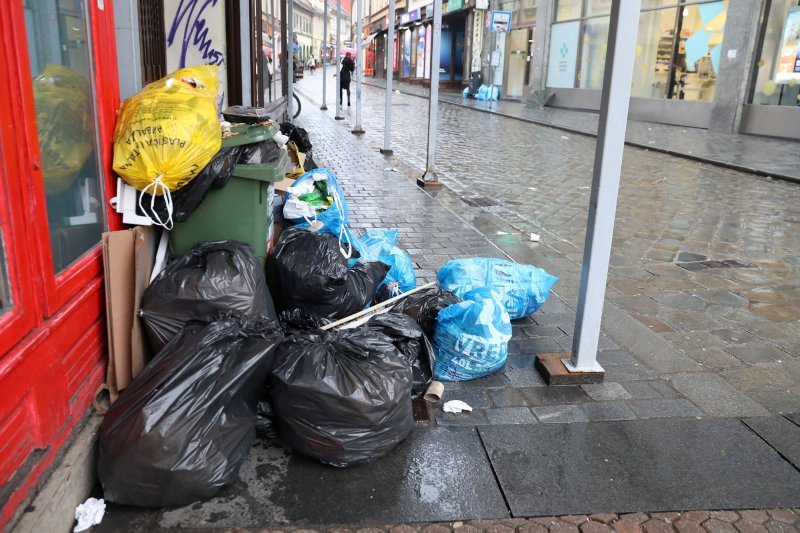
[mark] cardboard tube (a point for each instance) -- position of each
(434, 392)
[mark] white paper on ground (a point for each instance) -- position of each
(89, 513)
(455, 406)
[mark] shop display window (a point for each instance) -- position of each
(593, 55)
(678, 47)
(699, 50)
(60, 63)
(775, 83)
(596, 8)
(654, 45)
(568, 9)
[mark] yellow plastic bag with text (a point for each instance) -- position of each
(65, 125)
(167, 134)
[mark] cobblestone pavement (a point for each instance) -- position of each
(704, 257)
(768, 157)
(750, 521)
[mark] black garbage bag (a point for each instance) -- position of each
(260, 153)
(265, 418)
(214, 276)
(409, 338)
(297, 135)
(186, 199)
(342, 397)
(293, 320)
(180, 431)
(424, 307)
(307, 271)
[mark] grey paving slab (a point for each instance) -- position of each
(435, 475)
(510, 415)
(557, 414)
(627, 466)
(715, 396)
(606, 391)
(664, 408)
(780, 433)
(793, 417)
(605, 411)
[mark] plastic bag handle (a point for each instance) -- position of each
(155, 184)
(338, 203)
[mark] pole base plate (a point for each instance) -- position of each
(339, 117)
(323, 108)
(387, 151)
(552, 368)
(421, 182)
(358, 131)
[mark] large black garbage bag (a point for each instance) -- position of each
(186, 199)
(424, 307)
(214, 276)
(343, 397)
(307, 271)
(412, 342)
(298, 136)
(179, 432)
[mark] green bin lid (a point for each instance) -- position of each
(249, 134)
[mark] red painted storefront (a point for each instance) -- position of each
(52, 323)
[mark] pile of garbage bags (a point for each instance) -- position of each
(322, 349)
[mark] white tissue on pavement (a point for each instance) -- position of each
(89, 513)
(455, 406)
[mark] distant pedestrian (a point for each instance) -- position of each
(312, 64)
(348, 67)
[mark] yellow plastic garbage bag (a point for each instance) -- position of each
(167, 134)
(64, 123)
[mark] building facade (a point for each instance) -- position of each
(727, 65)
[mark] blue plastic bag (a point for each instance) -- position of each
(483, 93)
(471, 337)
(335, 219)
(522, 288)
(381, 245)
(494, 93)
(465, 93)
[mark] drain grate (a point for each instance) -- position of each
(702, 265)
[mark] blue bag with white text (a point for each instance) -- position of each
(471, 337)
(381, 245)
(522, 288)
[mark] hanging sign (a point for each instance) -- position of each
(477, 41)
(501, 21)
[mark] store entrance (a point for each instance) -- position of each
(518, 61)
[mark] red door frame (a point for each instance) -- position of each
(52, 343)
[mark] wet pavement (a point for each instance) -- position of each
(750, 153)
(706, 258)
(662, 433)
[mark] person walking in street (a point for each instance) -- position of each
(312, 63)
(348, 67)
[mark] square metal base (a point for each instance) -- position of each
(385, 151)
(555, 372)
(429, 184)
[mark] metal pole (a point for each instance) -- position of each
(290, 59)
(339, 59)
(358, 130)
(429, 178)
(605, 183)
(387, 128)
(325, 59)
(284, 41)
(274, 53)
(245, 60)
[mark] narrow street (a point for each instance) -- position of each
(739, 322)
